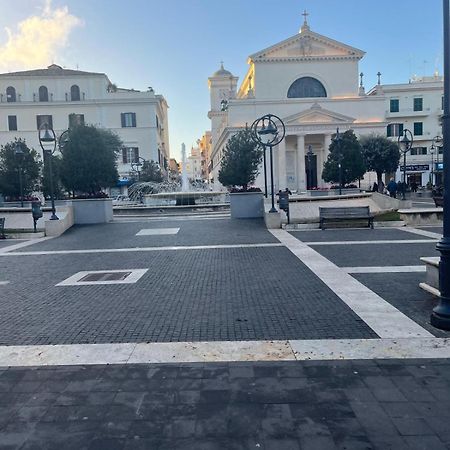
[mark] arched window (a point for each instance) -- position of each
(306, 87)
(10, 94)
(74, 93)
(43, 94)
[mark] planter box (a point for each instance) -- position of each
(247, 205)
(93, 210)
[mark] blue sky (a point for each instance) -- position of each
(174, 45)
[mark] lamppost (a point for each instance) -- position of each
(337, 139)
(436, 144)
(405, 145)
(269, 131)
(47, 141)
(432, 151)
(136, 165)
(440, 318)
(309, 155)
(19, 155)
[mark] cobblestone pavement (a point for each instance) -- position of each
(351, 405)
(195, 295)
(123, 235)
(257, 293)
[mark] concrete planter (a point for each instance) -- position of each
(93, 210)
(247, 205)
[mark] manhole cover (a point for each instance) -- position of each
(105, 276)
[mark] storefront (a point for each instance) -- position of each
(417, 174)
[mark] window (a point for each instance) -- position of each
(10, 94)
(12, 123)
(394, 105)
(419, 151)
(43, 94)
(418, 128)
(306, 87)
(130, 155)
(394, 129)
(74, 93)
(75, 120)
(418, 104)
(128, 120)
(40, 120)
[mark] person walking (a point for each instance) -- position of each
(392, 188)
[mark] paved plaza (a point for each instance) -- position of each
(218, 334)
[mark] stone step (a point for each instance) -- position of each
(431, 284)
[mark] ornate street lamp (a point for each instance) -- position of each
(337, 139)
(269, 131)
(136, 166)
(47, 141)
(432, 152)
(405, 145)
(440, 318)
(309, 155)
(436, 144)
(19, 155)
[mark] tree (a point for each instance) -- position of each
(89, 160)
(380, 155)
(348, 152)
(9, 169)
(240, 162)
(151, 172)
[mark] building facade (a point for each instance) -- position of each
(62, 97)
(313, 83)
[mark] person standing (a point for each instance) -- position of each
(392, 188)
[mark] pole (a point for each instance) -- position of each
(432, 171)
(340, 177)
(440, 318)
(271, 180)
(404, 174)
(52, 195)
(21, 185)
(265, 172)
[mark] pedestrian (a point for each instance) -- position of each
(392, 188)
(375, 187)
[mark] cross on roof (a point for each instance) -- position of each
(305, 15)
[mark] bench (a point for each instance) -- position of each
(345, 214)
(438, 201)
(2, 228)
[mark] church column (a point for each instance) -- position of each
(282, 178)
(301, 174)
(326, 152)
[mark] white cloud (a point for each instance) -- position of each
(38, 39)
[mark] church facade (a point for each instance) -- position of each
(314, 85)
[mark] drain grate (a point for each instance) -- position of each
(105, 276)
(98, 277)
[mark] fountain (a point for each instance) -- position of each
(173, 194)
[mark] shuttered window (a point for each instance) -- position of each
(128, 120)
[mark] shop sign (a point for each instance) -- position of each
(416, 167)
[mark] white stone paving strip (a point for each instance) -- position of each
(387, 241)
(378, 314)
(430, 234)
(385, 269)
(3, 283)
(139, 249)
(27, 243)
(225, 351)
(157, 231)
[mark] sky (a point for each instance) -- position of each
(175, 45)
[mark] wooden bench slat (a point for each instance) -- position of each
(345, 213)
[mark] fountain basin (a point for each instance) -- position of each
(186, 198)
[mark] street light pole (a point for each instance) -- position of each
(405, 145)
(269, 131)
(432, 150)
(47, 141)
(19, 154)
(440, 318)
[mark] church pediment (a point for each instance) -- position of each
(308, 45)
(317, 115)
